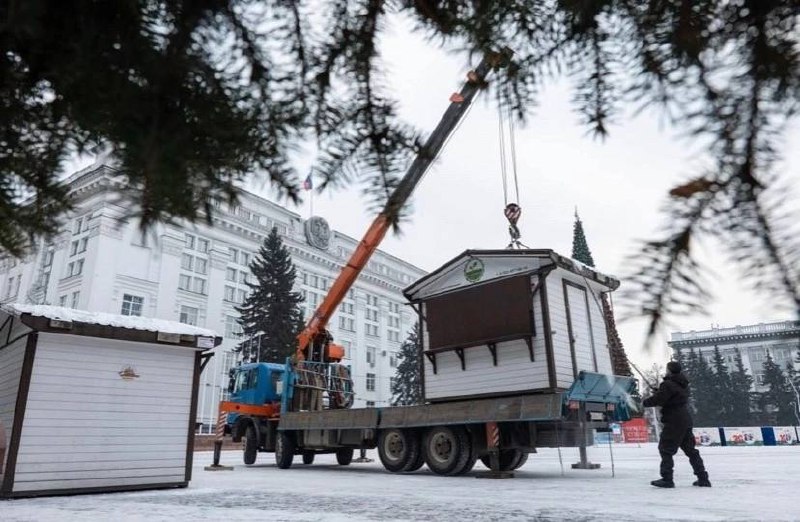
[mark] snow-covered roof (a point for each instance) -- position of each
(100, 318)
(478, 266)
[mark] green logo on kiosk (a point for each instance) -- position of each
(473, 270)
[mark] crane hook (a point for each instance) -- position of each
(513, 213)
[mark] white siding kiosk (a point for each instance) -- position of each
(94, 402)
(497, 322)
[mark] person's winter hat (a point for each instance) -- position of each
(674, 367)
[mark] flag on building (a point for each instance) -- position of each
(307, 184)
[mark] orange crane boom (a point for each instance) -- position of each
(314, 332)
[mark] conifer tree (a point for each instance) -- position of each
(702, 387)
(776, 400)
(792, 376)
(407, 384)
(581, 252)
(720, 401)
(580, 248)
(270, 315)
(742, 399)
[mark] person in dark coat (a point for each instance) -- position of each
(673, 397)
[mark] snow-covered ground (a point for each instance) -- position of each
(749, 483)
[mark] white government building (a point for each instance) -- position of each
(780, 339)
(196, 274)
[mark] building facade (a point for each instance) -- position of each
(197, 274)
(780, 339)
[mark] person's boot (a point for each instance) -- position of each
(702, 481)
(663, 483)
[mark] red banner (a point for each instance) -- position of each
(635, 430)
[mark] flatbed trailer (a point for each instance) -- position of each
(448, 436)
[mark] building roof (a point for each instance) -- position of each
(753, 332)
(498, 264)
(105, 319)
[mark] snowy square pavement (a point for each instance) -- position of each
(749, 483)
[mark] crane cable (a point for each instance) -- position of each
(512, 211)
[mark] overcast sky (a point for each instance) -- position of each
(617, 186)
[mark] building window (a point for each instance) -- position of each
(370, 382)
(190, 241)
(371, 329)
(10, 287)
(48, 258)
(242, 277)
(185, 282)
(393, 335)
(199, 285)
(759, 377)
(62, 301)
(132, 305)
(346, 323)
(230, 274)
(202, 245)
(201, 266)
(234, 253)
(233, 330)
(188, 315)
(393, 360)
(246, 259)
(230, 293)
(75, 299)
(77, 226)
(75, 268)
(241, 295)
(391, 383)
(372, 353)
(187, 262)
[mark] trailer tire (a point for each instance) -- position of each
(396, 448)
(508, 459)
(471, 460)
(417, 459)
(308, 457)
(344, 456)
(447, 449)
(417, 463)
(523, 458)
(250, 445)
(284, 449)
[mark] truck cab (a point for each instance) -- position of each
(259, 385)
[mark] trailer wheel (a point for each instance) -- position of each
(414, 465)
(447, 449)
(308, 457)
(523, 458)
(344, 456)
(471, 460)
(396, 449)
(284, 450)
(250, 445)
(508, 459)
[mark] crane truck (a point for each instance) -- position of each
(303, 407)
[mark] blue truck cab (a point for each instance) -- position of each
(256, 384)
